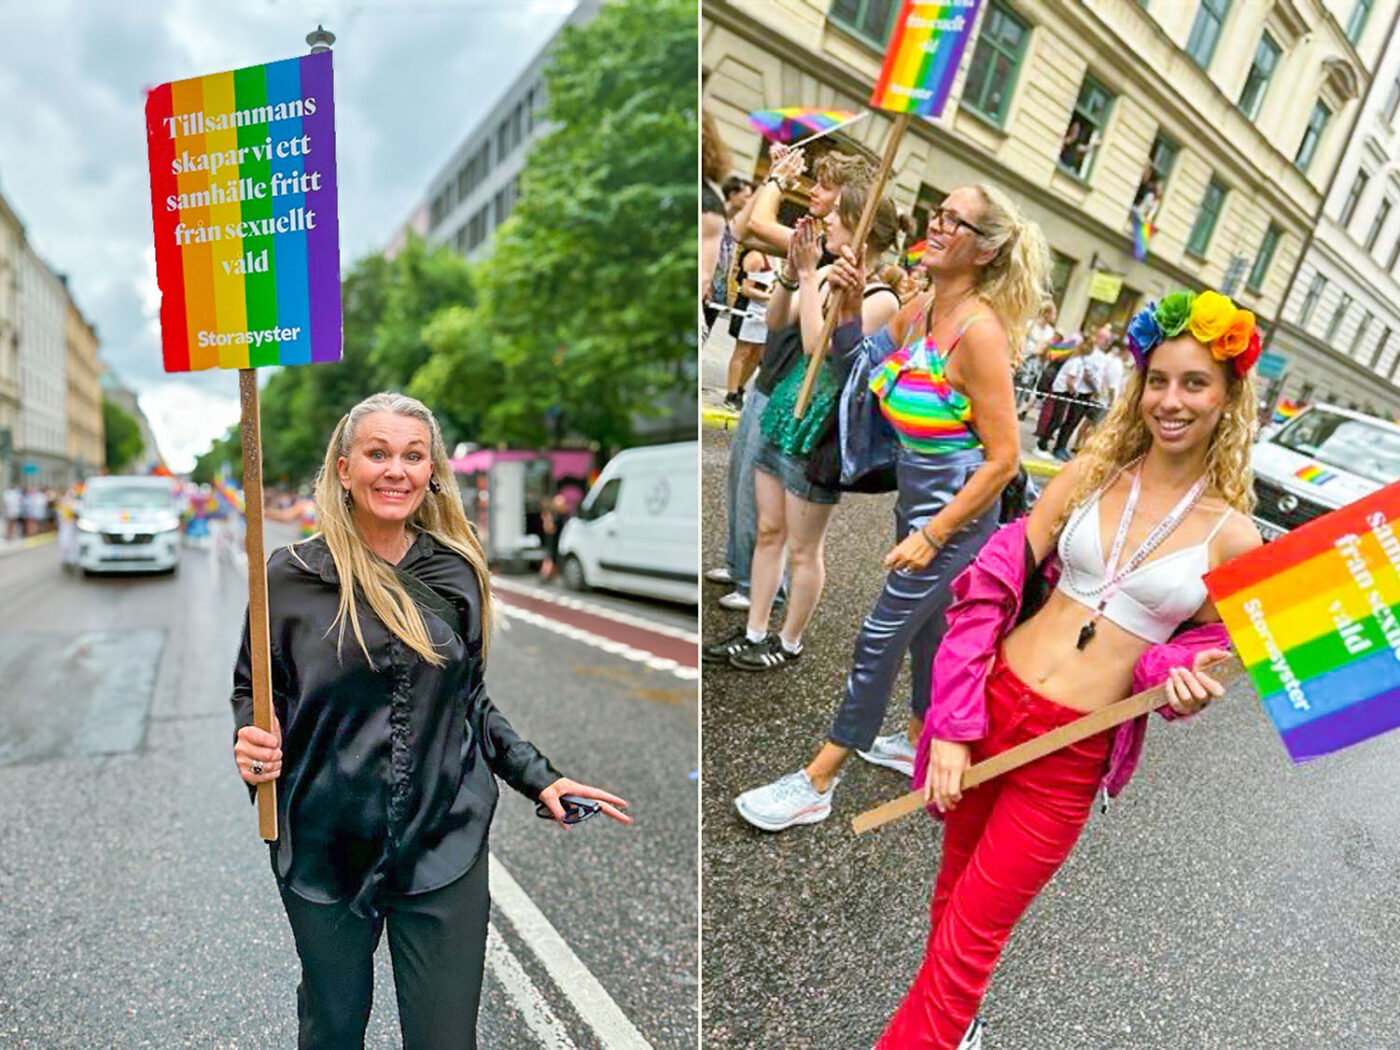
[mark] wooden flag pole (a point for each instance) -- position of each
(1227, 670)
(251, 432)
(867, 217)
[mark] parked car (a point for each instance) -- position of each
(129, 524)
(1322, 459)
(638, 529)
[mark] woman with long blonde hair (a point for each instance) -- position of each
(386, 745)
(942, 371)
(1124, 534)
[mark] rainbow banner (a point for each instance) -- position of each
(792, 122)
(243, 201)
(1315, 617)
(1142, 234)
(1286, 410)
(925, 48)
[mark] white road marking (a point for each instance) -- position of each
(587, 996)
(570, 602)
(535, 1011)
(597, 641)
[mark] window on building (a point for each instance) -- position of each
(871, 19)
(1361, 330)
(503, 140)
(1374, 233)
(1338, 316)
(1160, 161)
(1394, 364)
(1206, 218)
(1205, 31)
(1356, 25)
(991, 77)
(1392, 100)
(1394, 253)
(1082, 138)
(1061, 270)
(1315, 289)
(1265, 59)
(1263, 259)
(1380, 348)
(1358, 187)
(1307, 149)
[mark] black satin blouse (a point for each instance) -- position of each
(386, 782)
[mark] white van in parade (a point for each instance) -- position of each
(129, 524)
(638, 529)
(1323, 458)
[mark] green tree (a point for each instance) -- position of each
(122, 435)
(582, 306)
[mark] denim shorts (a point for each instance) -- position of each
(791, 471)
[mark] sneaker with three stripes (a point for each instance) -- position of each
(766, 655)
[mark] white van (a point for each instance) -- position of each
(1322, 459)
(638, 529)
(129, 524)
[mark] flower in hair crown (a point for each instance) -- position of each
(1211, 319)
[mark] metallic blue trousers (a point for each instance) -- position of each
(908, 615)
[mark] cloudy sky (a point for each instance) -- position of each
(412, 76)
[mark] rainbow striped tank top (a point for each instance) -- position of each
(915, 396)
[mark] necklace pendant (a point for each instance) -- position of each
(1086, 634)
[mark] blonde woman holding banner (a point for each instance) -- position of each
(1124, 534)
(387, 746)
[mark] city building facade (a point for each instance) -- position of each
(1222, 123)
(86, 450)
(41, 441)
(1338, 339)
(11, 243)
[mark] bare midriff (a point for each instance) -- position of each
(1042, 653)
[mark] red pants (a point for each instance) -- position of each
(1001, 844)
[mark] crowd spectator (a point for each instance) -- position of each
(13, 505)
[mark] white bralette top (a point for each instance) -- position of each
(1154, 599)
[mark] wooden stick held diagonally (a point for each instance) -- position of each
(251, 431)
(1227, 671)
(867, 217)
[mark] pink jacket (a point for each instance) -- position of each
(986, 604)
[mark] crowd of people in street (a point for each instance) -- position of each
(922, 394)
(28, 511)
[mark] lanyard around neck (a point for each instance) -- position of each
(1113, 580)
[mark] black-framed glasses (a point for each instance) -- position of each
(576, 809)
(942, 217)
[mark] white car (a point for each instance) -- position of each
(1322, 459)
(128, 524)
(638, 529)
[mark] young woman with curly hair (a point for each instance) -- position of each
(1125, 533)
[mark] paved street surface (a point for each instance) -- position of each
(1227, 900)
(138, 906)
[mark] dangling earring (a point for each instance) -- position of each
(349, 503)
(433, 485)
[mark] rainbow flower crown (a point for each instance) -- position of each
(1211, 318)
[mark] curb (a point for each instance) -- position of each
(28, 543)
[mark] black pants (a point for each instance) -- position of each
(1075, 413)
(437, 942)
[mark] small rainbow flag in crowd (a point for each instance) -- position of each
(1314, 475)
(915, 252)
(1142, 233)
(1286, 410)
(1062, 348)
(243, 201)
(1313, 616)
(231, 495)
(793, 122)
(925, 48)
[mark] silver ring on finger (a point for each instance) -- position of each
(256, 769)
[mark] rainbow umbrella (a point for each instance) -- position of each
(792, 122)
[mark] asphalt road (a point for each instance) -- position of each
(138, 909)
(1227, 900)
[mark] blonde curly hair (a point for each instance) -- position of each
(1123, 438)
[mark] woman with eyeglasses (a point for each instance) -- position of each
(942, 371)
(1096, 595)
(385, 745)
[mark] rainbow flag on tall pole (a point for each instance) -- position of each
(1315, 618)
(925, 48)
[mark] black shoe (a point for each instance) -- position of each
(719, 652)
(735, 400)
(766, 655)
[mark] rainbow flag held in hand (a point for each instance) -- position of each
(794, 122)
(1062, 348)
(922, 59)
(1315, 618)
(914, 253)
(1286, 410)
(1142, 233)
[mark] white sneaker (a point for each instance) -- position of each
(719, 575)
(972, 1040)
(734, 600)
(893, 752)
(789, 800)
